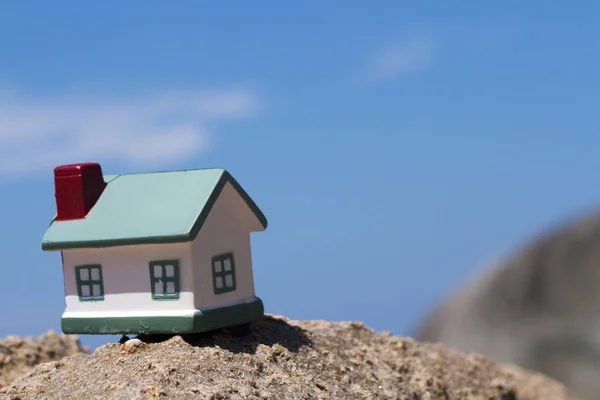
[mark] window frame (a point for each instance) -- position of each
(222, 257)
(165, 279)
(89, 282)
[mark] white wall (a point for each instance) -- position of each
(225, 230)
(126, 276)
(126, 273)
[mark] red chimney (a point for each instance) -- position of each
(78, 187)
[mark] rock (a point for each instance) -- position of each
(132, 345)
(282, 359)
(538, 308)
(18, 354)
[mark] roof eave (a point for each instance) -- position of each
(92, 244)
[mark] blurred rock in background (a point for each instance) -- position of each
(539, 308)
(19, 355)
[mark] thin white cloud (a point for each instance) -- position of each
(408, 56)
(37, 134)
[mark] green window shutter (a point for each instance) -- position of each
(90, 285)
(223, 271)
(164, 279)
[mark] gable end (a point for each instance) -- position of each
(226, 178)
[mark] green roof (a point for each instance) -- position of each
(160, 207)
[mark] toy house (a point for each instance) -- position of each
(148, 253)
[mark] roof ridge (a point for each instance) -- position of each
(171, 171)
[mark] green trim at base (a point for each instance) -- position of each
(200, 321)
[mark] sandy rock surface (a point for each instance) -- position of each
(19, 355)
(281, 359)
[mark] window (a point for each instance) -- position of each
(164, 278)
(223, 273)
(89, 282)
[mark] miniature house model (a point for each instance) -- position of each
(165, 252)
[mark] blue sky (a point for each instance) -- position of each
(395, 147)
